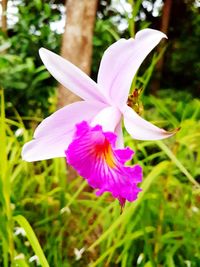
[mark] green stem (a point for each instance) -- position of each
(131, 21)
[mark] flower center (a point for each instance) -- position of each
(105, 152)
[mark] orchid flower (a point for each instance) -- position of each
(92, 129)
(105, 101)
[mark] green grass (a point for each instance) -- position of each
(42, 213)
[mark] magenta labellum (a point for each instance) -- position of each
(93, 155)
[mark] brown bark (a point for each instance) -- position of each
(4, 16)
(166, 16)
(77, 40)
(164, 28)
(77, 46)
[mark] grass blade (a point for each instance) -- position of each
(132, 208)
(174, 159)
(32, 239)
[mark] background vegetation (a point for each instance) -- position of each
(47, 219)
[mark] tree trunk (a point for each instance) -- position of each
(77, 40)
(77, 46)
(164, 28)
(166, 16)
(4, 16)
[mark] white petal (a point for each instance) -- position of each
(63, 120)
(108, 118)
(54, 134)
(141, 129)
(70, 76)
(121, 61)
(46, 147)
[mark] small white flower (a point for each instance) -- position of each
(34, 258)
(19, 132)
(19, 231)
(140, 258)
(78, 253)
(65, 209)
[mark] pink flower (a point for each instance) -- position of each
(93, 155)
(105, 102)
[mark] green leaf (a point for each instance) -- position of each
(177, 162)
(32, 239)
(42, 76)
(20, 262)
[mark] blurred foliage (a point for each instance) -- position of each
(28, 86)
(22, 84)
(33, 31)
(182, 66)
(76, 228)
